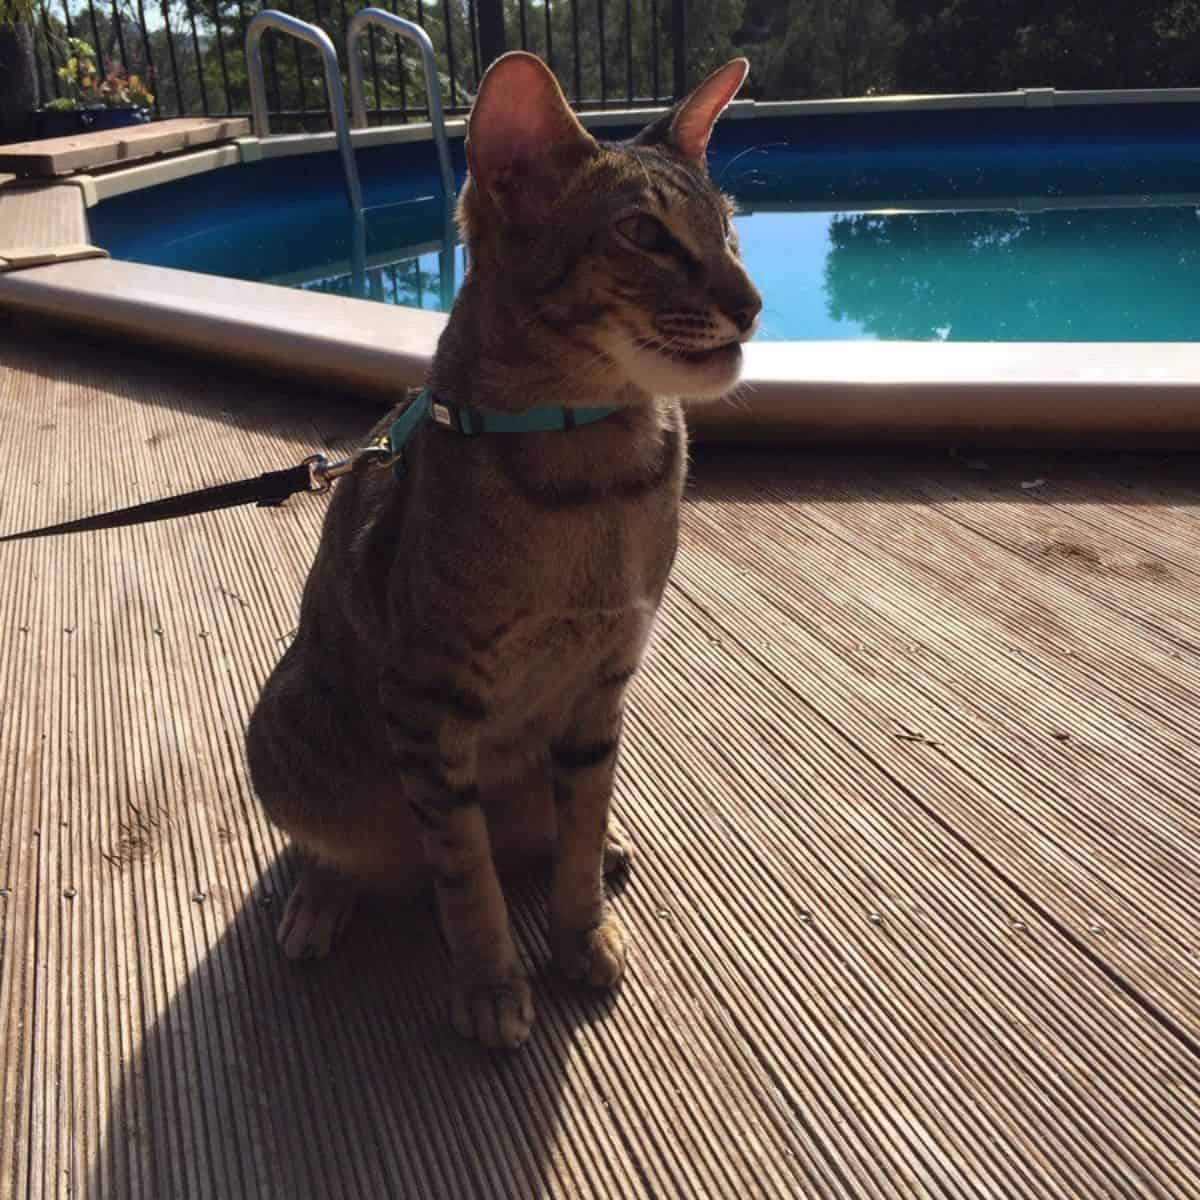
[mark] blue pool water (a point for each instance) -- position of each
(1070, 224)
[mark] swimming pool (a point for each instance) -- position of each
(1007, 224)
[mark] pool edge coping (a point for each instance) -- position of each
(887, 390)
(791, 391)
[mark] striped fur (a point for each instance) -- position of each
(454, 695)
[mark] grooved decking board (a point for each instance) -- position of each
(48, 157)
(937, 651)
(861, 962)
(42, 219)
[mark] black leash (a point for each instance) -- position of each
(270, 489)
(317, 473)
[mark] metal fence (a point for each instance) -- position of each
(192, 52)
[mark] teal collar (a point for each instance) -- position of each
(475, 421)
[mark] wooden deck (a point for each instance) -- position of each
(50, 157)
(912, 775)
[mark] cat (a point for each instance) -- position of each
(453, 696)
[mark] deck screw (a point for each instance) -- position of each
(70, 893)
(1018, 924)
(875, 918)
(5, 892)
(805, 916)
(199, 897)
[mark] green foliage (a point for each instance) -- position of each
(16, 12)
(84, 85)
(797, 49)
(984, 45)
(829, 48)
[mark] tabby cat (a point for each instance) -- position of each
(453, 696)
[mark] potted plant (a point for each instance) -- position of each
(18, 75)
(93, 100)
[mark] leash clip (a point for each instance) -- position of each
(323, 474)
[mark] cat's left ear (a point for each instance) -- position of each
(689, 125)
(521, 125)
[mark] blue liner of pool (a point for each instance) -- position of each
(818, 228)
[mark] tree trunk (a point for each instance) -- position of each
(18, 81)
(490, 15)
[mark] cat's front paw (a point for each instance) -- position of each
(595, 955)
(497, 1010)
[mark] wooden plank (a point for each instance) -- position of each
(41, 256)
(40, 218)
(61, 156)
(849, 977)
(943, 648)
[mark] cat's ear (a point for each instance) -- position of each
(521, 124)
(689, 125)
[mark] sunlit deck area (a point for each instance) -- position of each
(911, 773)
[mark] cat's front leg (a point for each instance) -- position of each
(433, 734)
(587, 940)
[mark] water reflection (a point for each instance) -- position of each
(1123, 269)
(413, 276)
(1075, 274)
(420, 275)
(1080, 275)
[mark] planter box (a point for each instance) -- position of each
(86, 120)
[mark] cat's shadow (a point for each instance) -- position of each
(261, 1077)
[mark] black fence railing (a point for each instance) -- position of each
(191, 53)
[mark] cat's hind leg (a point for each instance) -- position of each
(618, 851)
(317, 911)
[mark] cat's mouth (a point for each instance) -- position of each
(673, 370)
(728, 354)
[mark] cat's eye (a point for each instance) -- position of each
(646, 233)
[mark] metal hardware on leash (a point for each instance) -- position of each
(315, 474)
(323, 474)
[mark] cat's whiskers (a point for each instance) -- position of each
(736, 398)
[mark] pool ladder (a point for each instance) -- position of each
(292, 26)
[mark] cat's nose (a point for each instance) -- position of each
(745, 316)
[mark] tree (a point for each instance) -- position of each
(18, 74)
(988, 45)
(826, 48)
(797, 48)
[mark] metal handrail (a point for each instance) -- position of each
(269, 18)
(412, 32)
